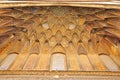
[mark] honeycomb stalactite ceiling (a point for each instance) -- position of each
(73, 31)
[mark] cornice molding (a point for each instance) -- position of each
(114, 4)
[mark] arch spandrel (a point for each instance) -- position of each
(58, 48)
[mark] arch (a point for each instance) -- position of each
(58, 61)
(103, 54)
(108, 62)
(85, 63)
(34, 53)
(31, 62)
(7, 62)
(58, 53)
(58, 48)
(13, 53)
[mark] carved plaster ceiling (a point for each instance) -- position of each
(60, 25)
(78, 29)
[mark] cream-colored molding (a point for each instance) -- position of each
(111, 4)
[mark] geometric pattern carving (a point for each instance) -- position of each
(78, 32)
